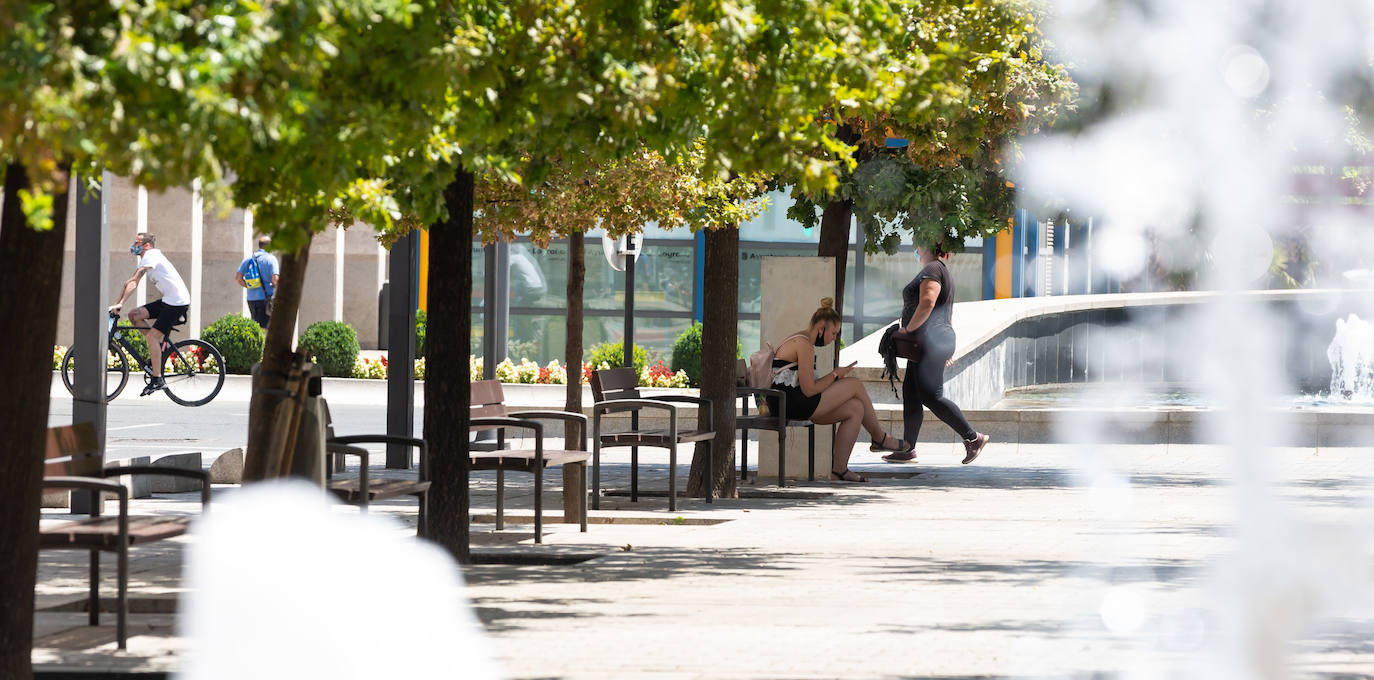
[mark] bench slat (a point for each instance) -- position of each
(655, 437)
(103, 532)
(523, 461)
(350, 490)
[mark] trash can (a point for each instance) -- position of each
(308, 459)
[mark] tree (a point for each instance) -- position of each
(622, 197)
(77, 91)
(596, 82)
(974, 78)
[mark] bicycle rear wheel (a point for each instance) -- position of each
(194, 373)
(116, 377)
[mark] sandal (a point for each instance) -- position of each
(844, 476)
(902, 445)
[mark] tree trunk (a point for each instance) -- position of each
(447, 388)
(32, 283)
(577, 272)
(277, 357)
(835, 220)
(719, 338)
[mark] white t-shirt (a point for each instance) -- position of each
(165, 277)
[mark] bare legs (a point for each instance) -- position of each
(139, 317)
(847, 403)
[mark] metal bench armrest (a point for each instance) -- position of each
(164, 471)
(565, 416)
(702, 403)
(351, 439)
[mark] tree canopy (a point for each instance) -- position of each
(974, 77)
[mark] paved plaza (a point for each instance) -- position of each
(1038, 561)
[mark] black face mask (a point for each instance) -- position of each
(820, 339)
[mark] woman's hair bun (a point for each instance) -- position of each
(827, 303)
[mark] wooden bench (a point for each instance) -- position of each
(73, 461)
(616, 390)
(488, 411)
(362, 490)
(776, 422)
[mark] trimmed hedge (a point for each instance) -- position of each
(239, 339)
(135, 339)
(333, 346)
(421, 320)
(687, 353)
(613, 354)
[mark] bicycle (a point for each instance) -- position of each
(192, 369)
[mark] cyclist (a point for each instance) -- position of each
(164, 313)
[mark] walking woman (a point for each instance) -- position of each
(927, 313)
(833, 398)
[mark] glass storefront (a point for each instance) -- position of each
(666, 285)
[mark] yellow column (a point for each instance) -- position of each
(422, 294)
(1002, 270)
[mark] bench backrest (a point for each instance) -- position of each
(488, 401)
(72, 450)
(615, 383)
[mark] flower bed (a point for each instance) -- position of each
(526, 372)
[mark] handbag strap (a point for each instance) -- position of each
(776, 371)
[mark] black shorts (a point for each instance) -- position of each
(165, 316)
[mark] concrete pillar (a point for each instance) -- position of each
(141, 227)
(195, 316)
(248, 245)
(339, 238)
(224, 245)
(169, 219)
(362, 263)
(792, 290)
(317, 298)
(91, 292)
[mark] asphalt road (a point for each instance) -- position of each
(155, 426)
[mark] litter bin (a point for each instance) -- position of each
(307, 460)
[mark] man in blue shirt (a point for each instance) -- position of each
(258, 273)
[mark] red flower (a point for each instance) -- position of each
(383, 359)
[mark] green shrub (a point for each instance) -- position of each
(421, 319)
(613, 354)
(239, 339)
(333, 345)
(687, 353)
(135, 340)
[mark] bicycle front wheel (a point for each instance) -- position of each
(116, 367)
(194, 373)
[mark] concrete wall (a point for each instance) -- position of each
(207, 242)
(1140, 345)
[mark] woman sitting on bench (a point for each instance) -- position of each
(834, 398)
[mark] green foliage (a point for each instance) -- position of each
(333, 345)
(239, 339)
(972, 79)
(135, 340)
(613, 354)
(687, 353)
(421, 319)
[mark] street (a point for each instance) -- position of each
(155, 426)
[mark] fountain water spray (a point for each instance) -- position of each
(1208, 121)
(1352, 360)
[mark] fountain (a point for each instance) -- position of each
(1352, 360)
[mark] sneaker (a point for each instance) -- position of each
(901, 457)
(153, 385)
(973, 447)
